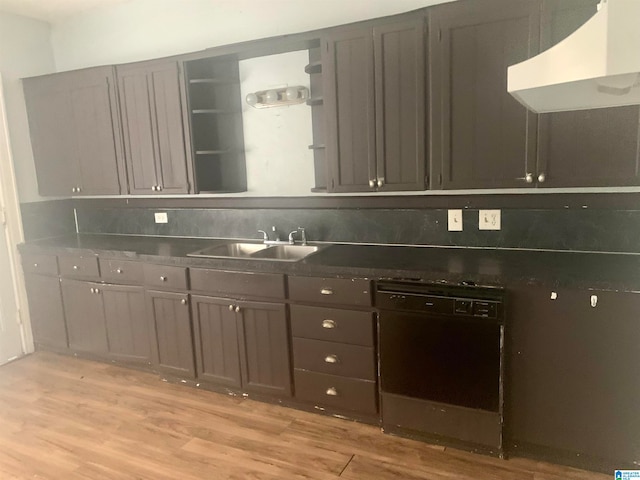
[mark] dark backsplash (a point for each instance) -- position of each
(586, 229)
(52, 218)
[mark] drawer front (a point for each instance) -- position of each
(332, 324)
(165, 277)
(79, 266)
(218, 282)
(334, 358)
(122, 271)
(42, 264)
(343, 291)
(337, 392)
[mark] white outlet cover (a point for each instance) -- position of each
(161, 217)
(489, 220)
(454, 220)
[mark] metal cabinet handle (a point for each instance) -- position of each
(75, 267)
(153, 187)
(541, 178)
(73, 189)
(163, 278)
(331, 359)
(159, 188)
(372, 183)
(231, 308)
(331, 391)
(118, 270)
(380, 182)
(594, 301)
(329, 323)
(237, 309)
(95, 290)
(183, 301)
(78, 189)
(35, 265)
(92, 290)
(326, 291)
(528, 178)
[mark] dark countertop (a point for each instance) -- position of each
(490, 267)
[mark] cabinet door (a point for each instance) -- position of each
(573, 381)
(349, 101)
(216, 341)
(597, 147)
(172, 338)
(75, 132)
(171, 160)
(264, 348)
(46, 311)
(481, 136)
(84, 312)
(400, 105)
(126, 323)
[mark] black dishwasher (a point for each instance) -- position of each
(441, 362)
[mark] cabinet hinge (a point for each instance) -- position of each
(439, 34)
(440, 179)
(333, 185)
(426, 181)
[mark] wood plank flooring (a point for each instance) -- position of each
(66, 418)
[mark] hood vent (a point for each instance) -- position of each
(597, 66)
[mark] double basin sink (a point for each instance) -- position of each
(258, 251)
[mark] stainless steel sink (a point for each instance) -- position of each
(226, 250)
(286, 253)
(257, 251)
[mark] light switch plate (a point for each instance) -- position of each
(455, 220)
(161, 217)
(489, 220)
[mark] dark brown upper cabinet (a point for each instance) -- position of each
(597, 147)
(374, 99)
(481, 137)
(75, 134)
(151, 102)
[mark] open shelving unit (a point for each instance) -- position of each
(213, 92)
(314, 69)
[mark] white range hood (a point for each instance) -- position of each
(597, 66)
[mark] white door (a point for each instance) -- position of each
(12, 341)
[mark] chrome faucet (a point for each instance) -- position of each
(276, 241)
(303, 236)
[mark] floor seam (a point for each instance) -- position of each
(345, 467)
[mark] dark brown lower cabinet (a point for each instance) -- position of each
(126, 323)
(573, 382)
(172, 337)
(84, 311)
(242, 344)
(46, 311)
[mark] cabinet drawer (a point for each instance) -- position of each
(79, 266)
(345, 291)
(332, 324)
(334, 358)
(122, 271)
(165, 277)
(218, 282)
(42, 264)
(334, 391)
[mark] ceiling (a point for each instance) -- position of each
(52, 11)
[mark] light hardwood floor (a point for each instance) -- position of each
(63, 418)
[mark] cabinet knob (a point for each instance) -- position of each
(78, 189)
(528, 178)
(231, 308)
(372, 183)
(73, 189)
(35, 265)
(237, 309)
(183, 301)
(380, 182)
(92, 290)
(326, 291)
(541, 178)
(96, 291)
(329, 323)
(118, 270)
(158, 188)
(332, 392)
(163, 278)
(75, 267)
(153, 187)
(594, 301)
(331, 359)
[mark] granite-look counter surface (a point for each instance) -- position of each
(490, 267)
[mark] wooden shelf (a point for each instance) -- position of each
(315, 101)
(313, 67)
(316, 147)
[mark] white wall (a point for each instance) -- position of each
(144, 29)
(25, 51)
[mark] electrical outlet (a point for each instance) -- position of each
(161, 217)
(455, 220)
(489, 220)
